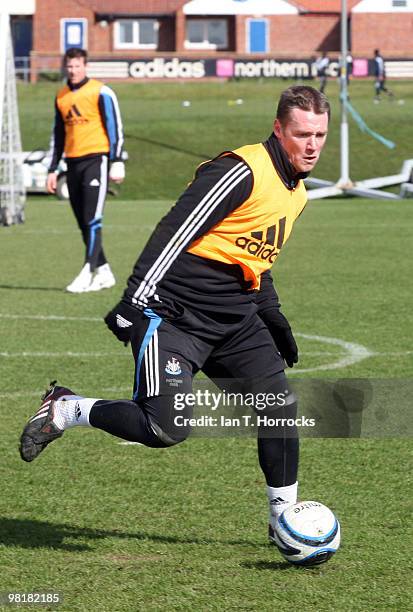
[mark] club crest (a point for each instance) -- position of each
(173, 367)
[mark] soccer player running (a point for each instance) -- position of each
(322, 65)
(201, 297)
(88, 130)
(380, 77)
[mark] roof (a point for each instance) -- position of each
(215, 7)
(136, 6)
(323, 6)
(18, 7)
(240, 7)
(384, 6)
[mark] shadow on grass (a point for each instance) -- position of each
(27, 288)
(167, 145)
(28, 533)
(268, 565)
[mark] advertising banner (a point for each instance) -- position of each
(170, 68)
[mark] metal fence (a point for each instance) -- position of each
(22, 66)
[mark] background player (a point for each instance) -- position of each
(88, 130)
(380, 77)
(201, 297)
(322, 65)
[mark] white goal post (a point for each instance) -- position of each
(12, 192)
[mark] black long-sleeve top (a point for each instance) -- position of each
(165, 273)
(109, 112)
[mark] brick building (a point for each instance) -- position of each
(198, 38)
(387, 24)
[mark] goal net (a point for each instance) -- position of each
(12, 192)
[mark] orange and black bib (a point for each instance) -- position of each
(84, 130)
(253, 234)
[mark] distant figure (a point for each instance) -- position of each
(322, 64)
(380, 77)
(88, 131)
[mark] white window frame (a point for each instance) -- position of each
(135, 29)
(205, 44)
(66, 20)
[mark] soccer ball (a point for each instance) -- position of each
(307, 533)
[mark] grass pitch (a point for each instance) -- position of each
(121, 527)
(166, 140)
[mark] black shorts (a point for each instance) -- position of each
(242, 358)
(167, 357)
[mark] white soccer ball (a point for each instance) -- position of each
(307, 533)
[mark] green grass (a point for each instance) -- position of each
(161, 134)
(117, 527)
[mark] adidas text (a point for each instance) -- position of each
(259, 249)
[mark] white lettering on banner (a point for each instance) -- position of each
(159, 68)
(271, 68)
(333, 69)
(173, 68)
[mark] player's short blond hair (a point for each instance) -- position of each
(304, 97)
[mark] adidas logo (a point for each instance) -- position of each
(121, 322)
(78, 412)
(73, 111)
(264, 249)
(277, 500)
(74, 116)
(94, 183)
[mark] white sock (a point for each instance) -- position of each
(280, 498)
(72, 410)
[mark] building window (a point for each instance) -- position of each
(136, 34)
(73, 33)
(206, 34)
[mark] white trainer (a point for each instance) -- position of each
(272, 522)
(273, 519)
(103, 279)
(82, 281)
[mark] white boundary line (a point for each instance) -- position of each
(49, 317)
(56, 232)
(38, 394)
(343, 361)
(8, 355)
(97, 355)
(126, 443)
(355, 353)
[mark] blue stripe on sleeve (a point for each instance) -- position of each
(111, 127)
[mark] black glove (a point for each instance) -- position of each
(283, 336)
(121, 320)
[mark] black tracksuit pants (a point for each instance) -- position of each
(241, 358)
(87, 181)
